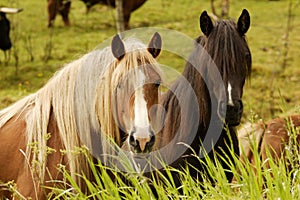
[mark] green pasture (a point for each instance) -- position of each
(273, 90)
(38, 51)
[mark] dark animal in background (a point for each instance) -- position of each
(226, 45)
(5, 42)
(58, 6)
(128, 7)
(63, 8)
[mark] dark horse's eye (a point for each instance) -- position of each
(248, 57)
(221, 71)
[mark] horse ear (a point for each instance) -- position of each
(243, 23)
(206, 24)
(117, 47)
(154, 46)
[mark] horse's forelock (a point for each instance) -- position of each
(137, 57)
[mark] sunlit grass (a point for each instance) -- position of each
(265, 38)
(273, 182)
(271, 179)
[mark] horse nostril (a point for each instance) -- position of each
(150, 144)
(239, 105)
(132, 141)
(141, 140)
(152, 137)
(151, 141)
(144, 144)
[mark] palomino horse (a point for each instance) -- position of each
(270, 139)
(221, 61)
(105, 94)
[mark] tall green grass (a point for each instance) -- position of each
(38, 52)
(52, 48)
(273, 182)
(270, 179)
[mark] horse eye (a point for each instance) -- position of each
(157, 84)
(119, 85)
(221, 72)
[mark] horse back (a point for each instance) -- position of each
(16, 167)
(267, 139)
(12, 155)
(278, 135)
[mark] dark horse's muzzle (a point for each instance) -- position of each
(234, 113)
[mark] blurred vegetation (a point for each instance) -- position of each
(39, 51)
(273, 90)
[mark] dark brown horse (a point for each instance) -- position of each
(128, 7)
(58, 6)
(103, 96)
(208, 92)
(63, 8)
(270, 140)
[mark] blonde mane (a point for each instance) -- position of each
(79, 97)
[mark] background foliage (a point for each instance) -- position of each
(274, 88)
(38, 51)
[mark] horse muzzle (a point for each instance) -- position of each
(234, 113)
(141, 141)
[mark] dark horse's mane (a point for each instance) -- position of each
(224, 48)
(224, 45)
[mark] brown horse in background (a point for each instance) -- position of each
(58, 6)
(271, 139)
(128, 7)
(103, 96)
(63, 8)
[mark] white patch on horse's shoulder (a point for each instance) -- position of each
(230, 101)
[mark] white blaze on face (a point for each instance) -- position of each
(230, 101)
(141, 119)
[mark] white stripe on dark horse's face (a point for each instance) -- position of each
(230, 101)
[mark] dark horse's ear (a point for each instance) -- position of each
(117, 47)
(154, 45)
(206, 24)
(243, 23)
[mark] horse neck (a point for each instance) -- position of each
(192, 74)
(189, 92)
